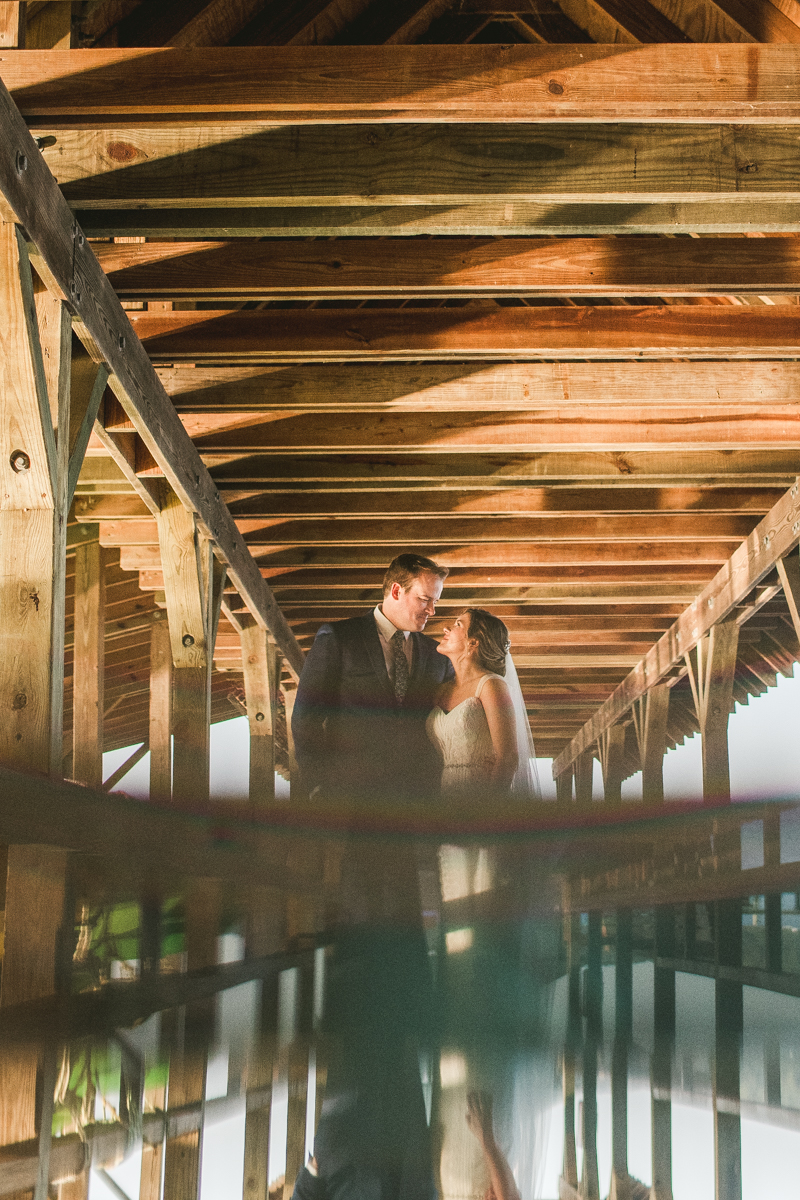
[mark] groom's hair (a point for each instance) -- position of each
(407, 567)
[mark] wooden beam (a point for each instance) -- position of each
(711, 670)
(128, 765)
(184, 584)
(723, 216)
(12, 25)
(160, 715)
(365, 335)
(387, 388)
(88, 669)
(33, 196)
(650, 714)
(273, 270)
(261, 687)
(584, 778)
(212, 166)
(772, 539)
(612, 749)
(622, 21)
(423, 83)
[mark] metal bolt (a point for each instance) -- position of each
(796, 527)
(187, 639)
(20, 462)
(21, 162)
(710, 601)
(767, 540)
(259, 716)
(121, 341)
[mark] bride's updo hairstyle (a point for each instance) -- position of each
(492, 637)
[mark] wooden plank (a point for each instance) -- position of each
(160, 715)
(12, 25)
(772, 539)
(273, 270)
(33, 196)
(88, 668)
(429, 83)
(762, 19)
(439, 387)
(471, 333)
(652, 711)
(724, 216)
(50, 27)
(208, 166)
(711, 673)
(260, 686)
(622, 21)
(183, 581)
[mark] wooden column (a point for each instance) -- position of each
(590, 1184)
(564, 787)
(711, 677)
(650, 715)
(160, 726)
(289, 696)
(584, 778)
(728, 1034)
(661, 1065)
(612, 746)
(297, 1055)
(12, 25)
(623, 1031)
(88, 665)
(569, 1171)
(260, 662)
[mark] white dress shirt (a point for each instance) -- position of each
(386, 631)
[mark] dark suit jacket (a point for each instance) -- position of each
(351, 736)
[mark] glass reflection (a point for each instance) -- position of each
(613, 1013)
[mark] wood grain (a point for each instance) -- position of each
(87, 665)
(183, 584)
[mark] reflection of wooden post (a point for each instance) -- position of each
(160, 728)
(570, 1168)
(623, 1030)
(650, 721)
(590, 1188)
(729, 1023)
(584, 778)
(564, 787)
(612, 747)
(260, 663)
(298, 1053)
(711, 677)
(88, 665)
(661, 1066)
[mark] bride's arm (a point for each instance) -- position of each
(500, 718)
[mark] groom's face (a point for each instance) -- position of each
(411, 609)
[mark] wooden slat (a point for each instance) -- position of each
(511, 333)
(431, 83)
(88, 667)
(772, 539)
(74, 273)
(745, 215)
(199, 166)
(273, 269)
(439, 387)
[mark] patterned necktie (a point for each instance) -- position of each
(400, 666)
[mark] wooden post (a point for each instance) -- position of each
(297, 1055)
(590, 1184)
(623, 1031)
(289, 696)
(88, 665)
(661, 1065)
(259, 1093)
(711, 678)
(729, 1024)
(260, 662)
(12, 25)
(569, 1172)
(584, 778)
(564, 787)
(650, 715)
(612, 746)
(160, 726)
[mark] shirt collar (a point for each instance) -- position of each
(386, 629)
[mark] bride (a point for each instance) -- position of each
(479, 726)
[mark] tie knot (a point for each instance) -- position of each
(398, 637)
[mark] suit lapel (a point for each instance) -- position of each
(372, 640)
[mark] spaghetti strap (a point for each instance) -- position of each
(479, 688)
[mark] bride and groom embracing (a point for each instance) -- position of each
(383, 713)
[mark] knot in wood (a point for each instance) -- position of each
(555, 88)
(19, 702)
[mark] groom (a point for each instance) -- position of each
(367, 686)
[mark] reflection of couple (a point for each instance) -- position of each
(383, 713)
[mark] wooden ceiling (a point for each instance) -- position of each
(394, 311)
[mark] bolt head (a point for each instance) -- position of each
(259, 716)
(20, 462)
(187, 639)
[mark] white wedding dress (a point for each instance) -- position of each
(463, 743)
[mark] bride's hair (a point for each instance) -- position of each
(492, 637)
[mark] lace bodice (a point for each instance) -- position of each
(463, 743)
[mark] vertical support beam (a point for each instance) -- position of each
(259, 1097)
(297, 1070)
(12, 25)
(623, 1031)
(729, 1024)
(711, 678)
(584, 778)
(612, 747)
(50, 28)
(289, 696)
(88, 665)
(650, 715)
(564, 787)
(590, 1188)
(569, 1171)
(661, 1064)
(260, 663)
(160, 726)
